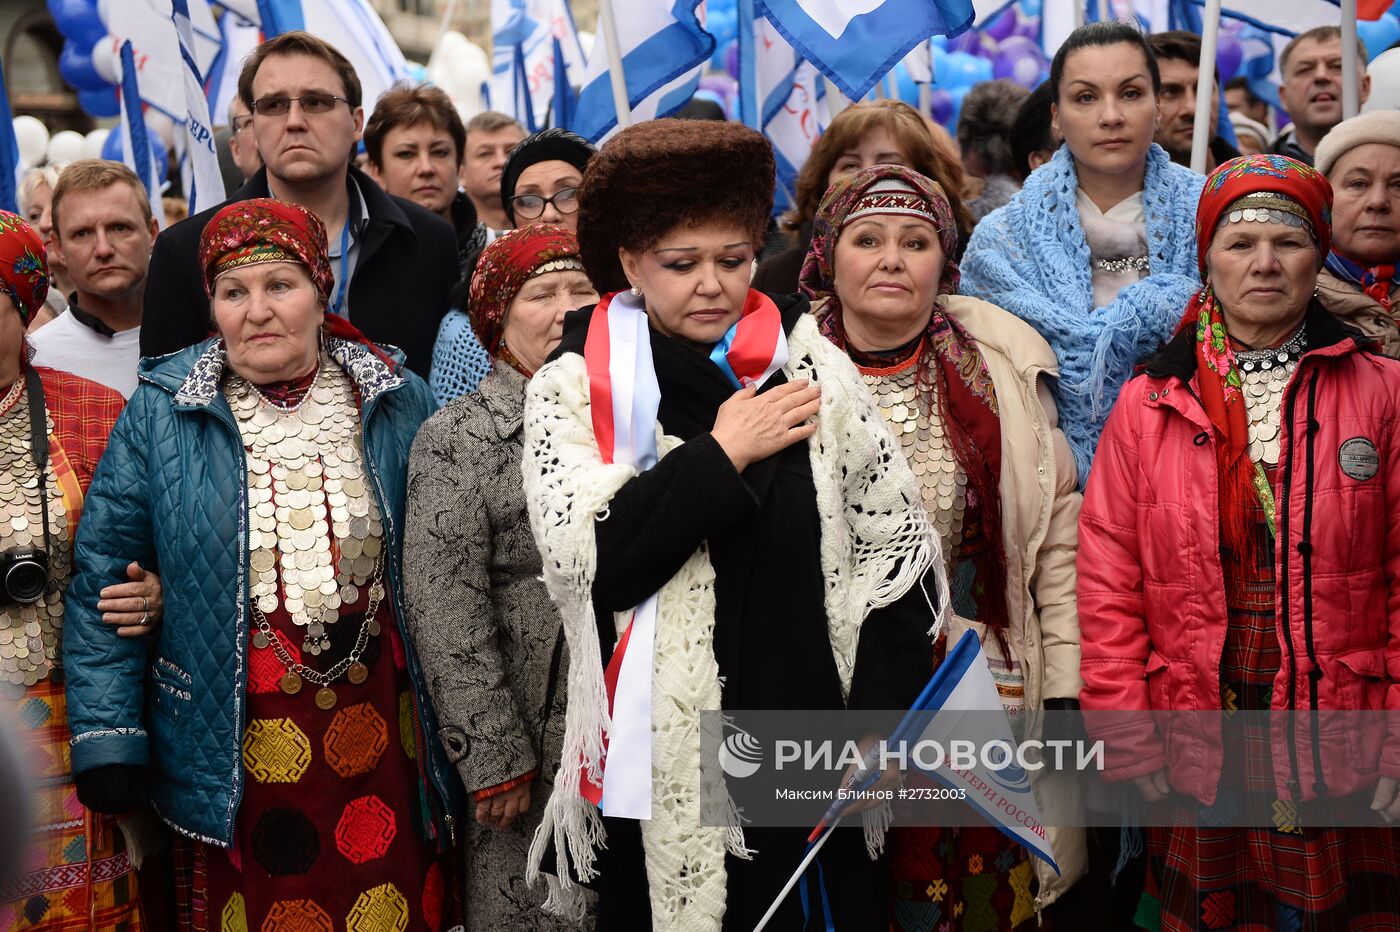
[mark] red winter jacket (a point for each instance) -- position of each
(1151, 584)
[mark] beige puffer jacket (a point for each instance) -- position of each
(1040, 519)
(1354, 307)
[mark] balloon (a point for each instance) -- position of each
(1032, 7)
(1229, 54)
(460, 67)
(65, 147)
(941, 42)
(114, 148)
(77, 69)
(92, 143)
(33, 139)
(100, 103)
(78, 20)
(955, 101)
(1001, 25)
(1027, 25)
(942, 103)
(725, 88)
(1379, 34)
(164, 127)
(969, 41)
(963, 70)
(1019, 59)
(104, 60)
(731, 60)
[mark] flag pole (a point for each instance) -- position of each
(1205, 83)
(616, 76)
(796, 875)
(1351, 63)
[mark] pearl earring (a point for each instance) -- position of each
(636, 292)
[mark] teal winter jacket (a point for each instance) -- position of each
(171, 494)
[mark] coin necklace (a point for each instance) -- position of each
(1264, 375)
(31, 634)
(308, 491)
(924, 441)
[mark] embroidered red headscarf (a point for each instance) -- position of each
(1260, 187)
(263, 229)
(24, 266)
(504, 268)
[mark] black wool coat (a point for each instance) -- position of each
(399, 290)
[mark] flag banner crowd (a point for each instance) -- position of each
(700, 465)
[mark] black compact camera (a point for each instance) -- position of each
(24, 571)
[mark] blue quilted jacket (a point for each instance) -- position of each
(170, 493)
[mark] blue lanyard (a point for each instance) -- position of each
(344, 269)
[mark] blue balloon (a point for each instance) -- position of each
(115, 149)
(100, 103)
(1032, 7)
(963, 70)
(1379, 34)
(78, 21)
(77, 69)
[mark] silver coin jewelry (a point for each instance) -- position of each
(30, 634)
(1264, 375)
(315, 534)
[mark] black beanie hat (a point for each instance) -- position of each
(547, 145)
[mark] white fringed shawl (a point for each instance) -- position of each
(876, 544)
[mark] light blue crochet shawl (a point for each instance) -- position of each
(1030, 257)
(459, 360)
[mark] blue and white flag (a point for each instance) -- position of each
(137, 143)
(199, 162)
(857, 42)
(10, 168)
(663, 46)
(524, 38)
(150, 28)
(790, 113)
(240, 36)
(963, 684)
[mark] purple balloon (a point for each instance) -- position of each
(969, 42)
(1229, 53)
(1001, 25)
(1027, 26)
(942, 104)
(731, 61)
(1019, 59)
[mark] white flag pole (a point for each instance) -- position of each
(616, 76)
(797, 874)
(1351, 63)
(1205, 85)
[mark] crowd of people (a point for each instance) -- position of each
(332, 513)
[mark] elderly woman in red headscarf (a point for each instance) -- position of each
(1240, 550)
(53, 429)
(278, 718)
(490, 639)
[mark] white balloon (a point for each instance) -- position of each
(1384, 70)
(65, 147)
(33, 138)
(163, 125)
(586, 39)
(459, 66)
(93, 143)
(104, 60)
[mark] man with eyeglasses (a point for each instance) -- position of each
(394, 262)
(240, 141)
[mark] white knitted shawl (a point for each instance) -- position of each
(876, 543)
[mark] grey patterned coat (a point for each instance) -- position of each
(485, 631)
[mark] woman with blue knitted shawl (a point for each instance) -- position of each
(1096, 250)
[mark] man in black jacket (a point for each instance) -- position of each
(399, 259)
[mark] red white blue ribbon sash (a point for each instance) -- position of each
(624, 397)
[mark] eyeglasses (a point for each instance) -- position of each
(310, 103)
(241, 123)
(531, 206)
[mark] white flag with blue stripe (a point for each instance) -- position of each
(136, 136)
(857, 42)
(663, 46)
(149, 26)
(199, 162)
(791, 114)
(523, 66)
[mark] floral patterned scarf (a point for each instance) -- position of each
(504, 268)
(1297, 189)
(953, 380)
(24, 267)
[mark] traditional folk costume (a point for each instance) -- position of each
(331, 784)
(943, 402)
(489, 638)
(774, 588)
(77, 873)
(1280, 419)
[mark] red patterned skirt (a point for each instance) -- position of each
(1268, 879)
(328, 836)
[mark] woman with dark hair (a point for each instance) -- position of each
(966, 389)
(877, 132)
(751, 506)
(488, 636)
(1238, 554)
(1095, 251)
(984, 137)
(278, 718)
